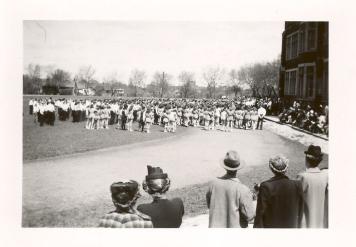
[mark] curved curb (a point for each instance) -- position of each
(298, 129)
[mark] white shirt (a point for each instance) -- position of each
(50, 108)
(261, 112)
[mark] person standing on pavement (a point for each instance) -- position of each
(261, 114)
(280, 200)
(230, 202)
(315, 189)
(164, 213)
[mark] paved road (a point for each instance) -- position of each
(188, 159)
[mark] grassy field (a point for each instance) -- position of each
(66, 137)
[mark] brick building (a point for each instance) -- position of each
(305, 61)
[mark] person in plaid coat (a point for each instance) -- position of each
(124, 196)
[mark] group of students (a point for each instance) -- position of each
(281, 202)
(242, 113)
(315, 120)
(43, 111)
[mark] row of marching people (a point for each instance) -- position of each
(101, 113)
(223, 118)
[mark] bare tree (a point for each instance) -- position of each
(85, 74)
(234, 84)
(188, 86)
(213, 77)
(34, 73)
(137, 80)
(262, 78)
(245, 76)
(161, 81)
(59, 78)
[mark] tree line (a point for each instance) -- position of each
(258, 79)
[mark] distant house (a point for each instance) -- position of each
(118, 92)
(76, 88)
(112, 90)
(81, 89)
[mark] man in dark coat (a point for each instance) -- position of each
(280, 200)
(164, 213)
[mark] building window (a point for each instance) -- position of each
(300, 82)
(301, 41)
(290, 82)
(286, 84)
(292, 46)
(326, 80)
(312, 35)
(310, 80)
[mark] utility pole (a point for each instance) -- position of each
(162, 85)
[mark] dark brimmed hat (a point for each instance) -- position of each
(232, 161)
(314, 152)
(155, 173)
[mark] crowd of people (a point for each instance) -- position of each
(210, 114)
(281, 202)
(313, 119)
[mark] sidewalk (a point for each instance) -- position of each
(276, 120)
(295, 134)
(200, 221)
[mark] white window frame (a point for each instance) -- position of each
(325, 87)
(305, 89)
(314, 80)
(316, 38)
(289, 51)
(303, 30)
(288, 92)
(304, 76)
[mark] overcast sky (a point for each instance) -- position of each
(117, 47)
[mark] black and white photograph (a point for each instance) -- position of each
(206, 122)
(130, 124)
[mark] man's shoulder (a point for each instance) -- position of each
(177, 201)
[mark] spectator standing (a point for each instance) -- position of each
(315, 189)
(229, 201)
(163, 212)
(124, 196)
(280, 201)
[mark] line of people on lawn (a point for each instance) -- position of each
(281, 202)
(43, 110)
(315, 120)
(247, 113)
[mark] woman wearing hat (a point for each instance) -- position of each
(315, 189)
(163, 212)
(280, 201)
(229, 201)
(124, 196)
